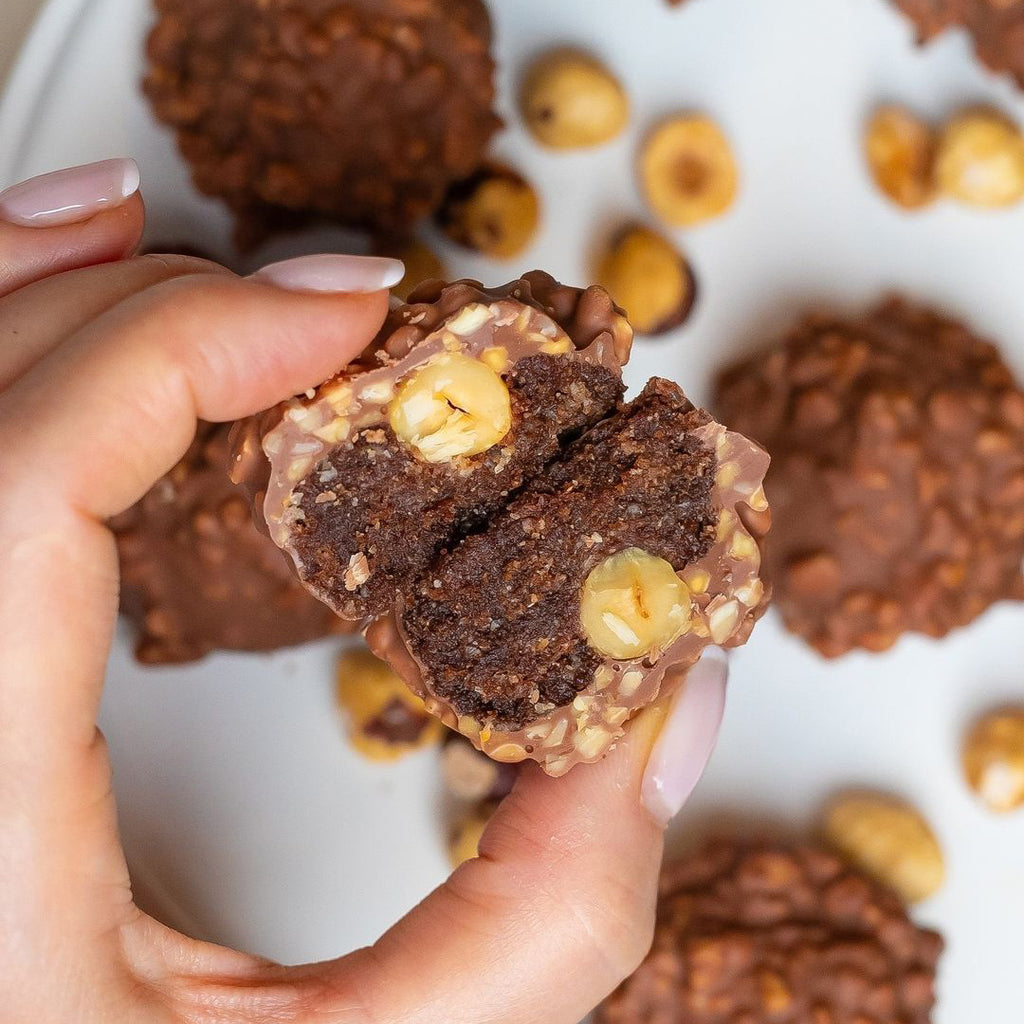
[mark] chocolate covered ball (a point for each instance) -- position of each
(767, 933)
(897, 474)
(196, 574)
(360, 112)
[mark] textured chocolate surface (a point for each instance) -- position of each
(897, 479)
(764, 933)
(357, 111)
(196, 574)
(996, 27)
(383, 499)
(495, 624)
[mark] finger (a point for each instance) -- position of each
(71, 218)
(37, 318)
(87, 431)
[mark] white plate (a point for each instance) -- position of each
(245, 814)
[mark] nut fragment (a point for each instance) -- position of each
(453, 406)
(687, 170)
(633, 603)
(464, 841)
(570, 100)
(993, 759)
(646, 275)
(888, 839)
(421, 264)
(385, 718)
(900, 150)
(981, 159)
(495, 212)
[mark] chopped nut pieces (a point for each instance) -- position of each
(900, 151)
(993, 759)
(980, 159)
(454, 406)
(687, 171)
(570, 100)
(495, 212)
(633, 603)
(890, 841)
(385, 719)
(649, 278)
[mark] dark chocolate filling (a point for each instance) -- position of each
(376, 497)
(495, 622)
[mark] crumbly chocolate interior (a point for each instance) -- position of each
(373, 495)
(496, 621)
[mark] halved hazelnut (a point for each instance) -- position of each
(646, 275)
(385, 718)
(687, 170)
(633, 603)
(888, 839)
(571, 100)
(900, 150)
(452, 406)
(495, 212)
(993, 759)
(980, 159)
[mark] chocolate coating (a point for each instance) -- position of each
(996, 27)
(360, 112)
(765, 933)
(196, 574)
(897, 479)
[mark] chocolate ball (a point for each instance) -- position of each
(897, 475)
(359, 112)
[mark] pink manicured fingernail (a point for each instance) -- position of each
(333, 273)
(71, 195)
(687, 738)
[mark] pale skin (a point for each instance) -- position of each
(106, 362)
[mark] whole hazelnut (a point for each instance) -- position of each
(993, 759)
(888, 839)
(980, 159)
(687, 170)
(465, 836)
(646, 275)
(421, 264)
(900, 151)
(495, 212)
(570, 100)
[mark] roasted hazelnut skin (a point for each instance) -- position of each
(980, 159)
(993, 759)
(649, 278)
(888, 839)
(900, 152)
(687, 170)
(570, 100)
(495, 212)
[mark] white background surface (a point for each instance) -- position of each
(244, 812)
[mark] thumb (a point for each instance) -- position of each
(559, 906)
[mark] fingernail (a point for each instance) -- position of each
(333, 273)
(70, 195)
(684, 745)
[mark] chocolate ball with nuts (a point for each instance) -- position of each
(570, 100)
(766, 932)
(360, 112)
(648, 276)
(495, 212)
(897, 474)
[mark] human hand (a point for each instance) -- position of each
(106, 362)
